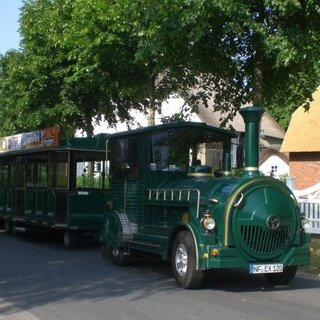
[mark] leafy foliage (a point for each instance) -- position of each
(262, 52)
(81, 61)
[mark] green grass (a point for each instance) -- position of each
(314, 267)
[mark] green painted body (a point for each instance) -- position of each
(40, 200)
(150, 207)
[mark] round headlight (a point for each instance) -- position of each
(305, 222)
(208, 223)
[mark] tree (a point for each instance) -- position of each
(32, 78)
(233, 52)
(42, 24)
(112, 39)
(91, 50)
(263, 52)
(85, 60)
(15, 76)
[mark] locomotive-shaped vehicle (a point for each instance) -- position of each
(165, 202)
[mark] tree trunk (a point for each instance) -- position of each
(257, 83)
(151, 105)
(89, 126)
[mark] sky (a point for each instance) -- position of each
(9, 24)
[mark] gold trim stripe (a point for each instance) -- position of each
(195, 244)
(199, 174)
(229, 206)
(251, 169)
(228, 210)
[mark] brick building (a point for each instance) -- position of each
(302, 142)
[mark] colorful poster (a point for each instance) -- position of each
(3, 145)
(31, 140)
(50, 136)
(14, 142)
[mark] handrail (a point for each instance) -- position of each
(174, 195)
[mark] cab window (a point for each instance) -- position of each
(125, 158)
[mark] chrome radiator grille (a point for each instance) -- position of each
(264, 241)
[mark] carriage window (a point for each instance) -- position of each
(12, 174)
(42, 174)
(5, 175)
(125, 162)
(20, 172)
(30, 173)
(2, 175)
(58, 170)
(37, 171)
(90, 170)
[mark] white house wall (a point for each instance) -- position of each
(274, 162)
(170, 107)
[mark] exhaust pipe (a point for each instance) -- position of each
(252, 117)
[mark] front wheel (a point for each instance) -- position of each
(282, 278)
(184, 262)
(105, 252)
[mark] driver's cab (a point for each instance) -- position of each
(194, 149)
(146, 157)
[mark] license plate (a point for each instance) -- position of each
(265, 268)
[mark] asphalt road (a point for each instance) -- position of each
(41, 279)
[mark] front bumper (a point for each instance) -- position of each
(230, 257)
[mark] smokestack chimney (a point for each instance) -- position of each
(252, 117)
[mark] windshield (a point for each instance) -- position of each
(181, 150)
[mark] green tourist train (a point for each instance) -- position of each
(170, 198)
(165, 190)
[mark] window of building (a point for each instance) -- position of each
(274, 170)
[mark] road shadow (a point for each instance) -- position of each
(36, 272)
(239, 280)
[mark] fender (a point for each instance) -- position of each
(191, 228)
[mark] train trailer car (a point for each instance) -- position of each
(60, 187)
(173, 195)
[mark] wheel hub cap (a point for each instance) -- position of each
(181, 259)
(115, 251)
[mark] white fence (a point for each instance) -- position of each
(311, 209)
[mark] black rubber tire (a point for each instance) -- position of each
(71, 239)
(282, 278)
(119, 257)
(184, 262)
(105, 252)
(7, 227)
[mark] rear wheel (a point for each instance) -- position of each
(282, 278)
(7, 227)
(105, 252)
(184, 262)
(70, 239)
(119, 256)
